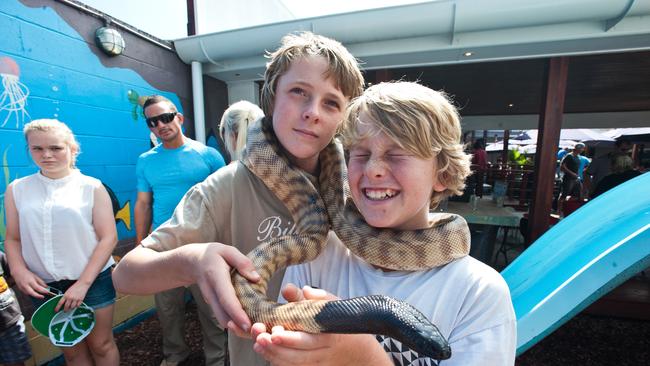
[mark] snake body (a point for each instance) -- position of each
(313, 210)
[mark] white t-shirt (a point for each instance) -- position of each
(467, 300)
(57, 235)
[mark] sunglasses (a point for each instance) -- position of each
(164, 118)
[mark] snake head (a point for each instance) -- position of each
(408, 325)
(379, 314)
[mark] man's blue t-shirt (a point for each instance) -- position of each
(170, 173)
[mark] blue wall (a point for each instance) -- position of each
(66, 79)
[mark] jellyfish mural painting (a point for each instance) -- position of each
(14, 93)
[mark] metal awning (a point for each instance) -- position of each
(439, 32)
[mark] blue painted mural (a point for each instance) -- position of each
(48, 71)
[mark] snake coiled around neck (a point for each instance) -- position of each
(315, 208)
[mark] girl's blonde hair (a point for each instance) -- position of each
(235, 122)
(55, 126)
(421, 121)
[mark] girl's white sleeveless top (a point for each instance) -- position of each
(56, 224)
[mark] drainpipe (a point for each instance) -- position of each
(197, 79)
(197, 96)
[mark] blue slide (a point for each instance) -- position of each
(580, 259)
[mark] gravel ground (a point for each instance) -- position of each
(584, 340)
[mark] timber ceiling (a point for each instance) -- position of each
(615, 82)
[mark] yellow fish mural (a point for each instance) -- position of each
(124, 215)
(121, 214)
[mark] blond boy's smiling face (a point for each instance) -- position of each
(390, 186)
(307, 109)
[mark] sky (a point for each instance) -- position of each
(167, 19)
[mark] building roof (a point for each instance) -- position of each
(489, 55)
(439, 32)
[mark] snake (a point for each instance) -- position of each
(318, 206)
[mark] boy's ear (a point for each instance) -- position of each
(438, 187)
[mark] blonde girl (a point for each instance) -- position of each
(234, 126)
(60, 234)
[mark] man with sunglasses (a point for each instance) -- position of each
(164, 174)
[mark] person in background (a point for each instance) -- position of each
(560, 155)
(164, 174)
(14, 346)
(234, 126)
(479, 163)
(584, 182)
(622, 168)
(309, 81)
(61, 234)
(404, 158)
(562, 152)
(584, 163)
(571, 184)
(600, 167)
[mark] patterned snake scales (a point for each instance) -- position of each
(445, 241)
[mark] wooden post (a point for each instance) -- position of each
(191, 18)
(548, 137)
(506, 143)
(382, 75)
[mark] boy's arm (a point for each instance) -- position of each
(183, 251)
(145, 271)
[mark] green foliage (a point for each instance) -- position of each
(518, 158)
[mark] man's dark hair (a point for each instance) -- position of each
(158, 99)
(479, 144)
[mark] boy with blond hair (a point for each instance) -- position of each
(404, 158)
(309, 81)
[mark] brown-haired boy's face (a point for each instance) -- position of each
(307, 110)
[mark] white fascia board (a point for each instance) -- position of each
(569, 120)
(438, 33)
(429, 51)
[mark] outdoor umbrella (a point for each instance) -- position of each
(632, 134)
(528, 149)
(585, 135)
(498, 146)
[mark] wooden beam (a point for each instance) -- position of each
(382, 75)
(506, 143)
(548, 137)
(191, 18)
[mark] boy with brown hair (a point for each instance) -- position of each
(309, 81)
(404, 158)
